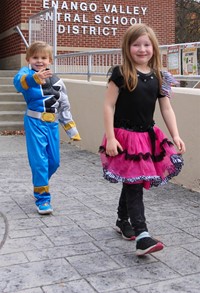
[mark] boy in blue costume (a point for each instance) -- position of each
(47, 105)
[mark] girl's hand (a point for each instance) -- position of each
(43, 74)
(113, 147)
(180, 145)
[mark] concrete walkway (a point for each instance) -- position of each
(76, 250)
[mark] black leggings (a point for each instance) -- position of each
(131, 205)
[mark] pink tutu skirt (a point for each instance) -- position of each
(139, 163)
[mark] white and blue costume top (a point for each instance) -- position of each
(49, 98)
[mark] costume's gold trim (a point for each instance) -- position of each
(41, 189)
(69, 125)
(48, 117)
(37, 79)
(23, 82)
(76, 137)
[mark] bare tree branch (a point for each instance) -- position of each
(187, 21)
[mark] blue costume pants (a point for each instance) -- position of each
(43, 142)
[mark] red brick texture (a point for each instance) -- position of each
(88, 24)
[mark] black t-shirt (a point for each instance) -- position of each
(136, 107)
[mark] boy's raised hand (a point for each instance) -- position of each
(43, 74)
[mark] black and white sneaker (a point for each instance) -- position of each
(124, 228)
(148, 245)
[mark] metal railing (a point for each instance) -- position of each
(17, 29)
(90, 63)
(43, 27)
(98, 62)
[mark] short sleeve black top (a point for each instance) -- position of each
(136, 107)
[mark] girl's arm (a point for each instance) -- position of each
(170, 121)
(109, 109)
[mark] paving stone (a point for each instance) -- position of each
(162, 227)
(70, 287)
(185, 222)
(131, 290)
(10, 208)
(177, 239)
(26, 243)
(130, 259)
(167, 214)
(193, 230)
(76, 249)
(180, 260)
(125, 278)
(92, 263)
(189, 284)
(88, 223)
(70, 209)
(32, 290)
(61, 251)
(116, 246)
(35, 274)
(12, 259)
(58, 220)
(193, 247)
(104, 233)
(64, 235)
(25, 233)
(22, 224)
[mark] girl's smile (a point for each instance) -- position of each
(141, 51)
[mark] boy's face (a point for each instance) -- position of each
(39, 61)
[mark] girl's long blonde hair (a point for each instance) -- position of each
(128, 67)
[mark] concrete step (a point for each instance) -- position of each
(6, 80)
(11, 97)
(7, 73)
(12, 106)
(11, 125)
(8, 88)
(11, 115)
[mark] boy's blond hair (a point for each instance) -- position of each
(39, 47)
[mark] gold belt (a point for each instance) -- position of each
(44, 116)
(48, 117)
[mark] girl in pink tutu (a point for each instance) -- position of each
(134, 150)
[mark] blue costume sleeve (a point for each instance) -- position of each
(25, 79)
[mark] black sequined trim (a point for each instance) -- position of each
(176, 160)
(141, 156)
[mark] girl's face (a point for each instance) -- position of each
(39, 61)
(141, 50)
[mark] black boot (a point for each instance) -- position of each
(123, 225)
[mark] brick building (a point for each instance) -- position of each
(82, 25)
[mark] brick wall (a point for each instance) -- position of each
(158, 14)
(87, 24)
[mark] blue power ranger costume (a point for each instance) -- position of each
(47, 105)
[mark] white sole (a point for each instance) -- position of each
(157, 247)
(44, 212)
